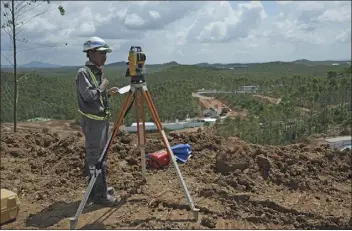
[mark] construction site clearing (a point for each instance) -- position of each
(236, 185)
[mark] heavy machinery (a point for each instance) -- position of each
(138, 93)
(10, 206)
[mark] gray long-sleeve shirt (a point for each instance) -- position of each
(89, 96)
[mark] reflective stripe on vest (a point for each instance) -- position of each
(95, 82)
(91, 116)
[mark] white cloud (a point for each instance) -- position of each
(87, 28)
(219, 22)
(188, 32)
(344, 37)
(133, 21)
(315, 23)
(154, 14)
(284, 2)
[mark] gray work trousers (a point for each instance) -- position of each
(96, 136)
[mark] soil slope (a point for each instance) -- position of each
(235, 185)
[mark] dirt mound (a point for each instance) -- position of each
(30, 160)
(233, 158)
(36, 158)
(236, 185)
(240, 174)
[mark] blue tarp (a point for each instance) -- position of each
(182, 152)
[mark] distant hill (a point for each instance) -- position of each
(117, 64)
(300, 61)
(151, 68)
(324, 62)
(223, 65)
(123, 64)
(162, 66)
(166, 65)
(34, 64)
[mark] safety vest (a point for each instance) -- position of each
(107, 111)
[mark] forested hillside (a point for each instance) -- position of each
(313, 98)
(306, 105)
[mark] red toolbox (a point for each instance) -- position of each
(159, 159)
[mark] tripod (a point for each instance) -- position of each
(137, 89)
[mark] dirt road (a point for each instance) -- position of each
(268, 99)
(206, 102)
(236, 185)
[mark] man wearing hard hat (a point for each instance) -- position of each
(93, 94)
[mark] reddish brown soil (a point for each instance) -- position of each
(235, 185)
(206, 102)
(243, 114)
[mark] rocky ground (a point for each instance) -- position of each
(235, 185)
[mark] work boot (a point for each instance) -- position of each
(109, 200)
(111, 191)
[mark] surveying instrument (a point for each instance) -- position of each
(138, 90)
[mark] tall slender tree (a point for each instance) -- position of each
(15, 15)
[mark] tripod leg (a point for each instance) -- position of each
(137, 115)
(167, 145)
(140, 133)
(121, 115)
(143, 139)
(74, 220)
(117, 124)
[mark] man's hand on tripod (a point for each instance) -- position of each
(113, 90)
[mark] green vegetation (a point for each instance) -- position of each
(308, 105)
(323, 91)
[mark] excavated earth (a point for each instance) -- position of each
(235, 185)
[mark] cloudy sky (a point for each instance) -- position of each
(187, 32)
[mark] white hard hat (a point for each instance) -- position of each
(96, 43)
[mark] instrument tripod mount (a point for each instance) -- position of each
(138, 88)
